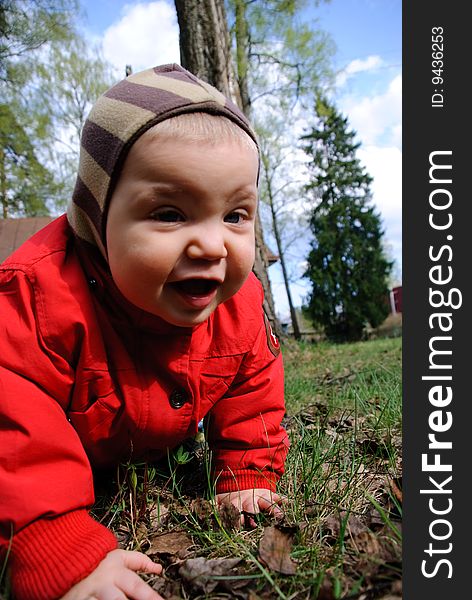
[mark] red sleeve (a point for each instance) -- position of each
(45, 477)
(244, 428)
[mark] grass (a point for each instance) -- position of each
(343, 481)
(342, 526)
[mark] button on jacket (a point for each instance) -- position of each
(87, 380)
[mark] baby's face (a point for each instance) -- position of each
(180, 229)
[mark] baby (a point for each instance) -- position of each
(126, 322)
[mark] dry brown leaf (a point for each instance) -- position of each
(202, 509)
(159, 516)
(174, 543)
(199, 573)
(367, 543)
(354, 526)
(275, 547)
(167, 588)
(253, 596)
(326, 591)
(372, 446)
(230, 516)
(395, 487)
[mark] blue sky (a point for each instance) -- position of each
(367, 34)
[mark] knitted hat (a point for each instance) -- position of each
(117, 120)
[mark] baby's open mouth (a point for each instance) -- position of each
(196, 287)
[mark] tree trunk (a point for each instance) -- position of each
(205, 47)
(205, 50)
(242, 55)
(3, 185)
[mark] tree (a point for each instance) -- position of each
(281, 63)
(346, 265)
(205, 46)
(25, 184)
(67, 82)
(279, 191)
(25, 26)
(280, 59)
(49, 78)
(277, 61)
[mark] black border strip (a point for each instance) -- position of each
(437, 230)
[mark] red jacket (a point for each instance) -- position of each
(88, 380)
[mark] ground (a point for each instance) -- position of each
(341, 534)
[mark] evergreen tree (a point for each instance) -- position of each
(346, 265)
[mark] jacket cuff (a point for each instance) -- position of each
(244, 479)
(51, 555)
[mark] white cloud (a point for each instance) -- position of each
(377, 119)
(384, 164)
(146, 35)
(357, 66)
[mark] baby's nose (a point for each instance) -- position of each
(207, 243)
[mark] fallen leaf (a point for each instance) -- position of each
(230, 516)
(275, 547)
(253, 596)
(167, 588)
(202, 509)
(159, 516)
(326, 591)
(123, 536)
(395, 486)
(354, 525)
(175, 543)
(367, 543)
(199, 573)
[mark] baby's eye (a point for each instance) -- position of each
(235, 218)
(167, 216)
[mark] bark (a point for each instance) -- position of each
(205, 45)
(205, 51)
(242, 55)
(3, 185)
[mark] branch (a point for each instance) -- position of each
(273, 60)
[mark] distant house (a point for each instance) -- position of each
(396, 300)
(13, 232)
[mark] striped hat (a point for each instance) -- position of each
(117, 120)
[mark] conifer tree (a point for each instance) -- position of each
(346, 265)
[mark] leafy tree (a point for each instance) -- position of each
(66, 83)
(280, 59)
(25, 184)
(280, 194)
(281, 62)
(25, 26)
(49, 77)
(346, 265)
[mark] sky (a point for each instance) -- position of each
(367, 35)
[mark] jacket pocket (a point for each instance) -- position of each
(89, 387)
(216, 377)
(100, 429)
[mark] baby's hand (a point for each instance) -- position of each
(252, 502)
(116, 577)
